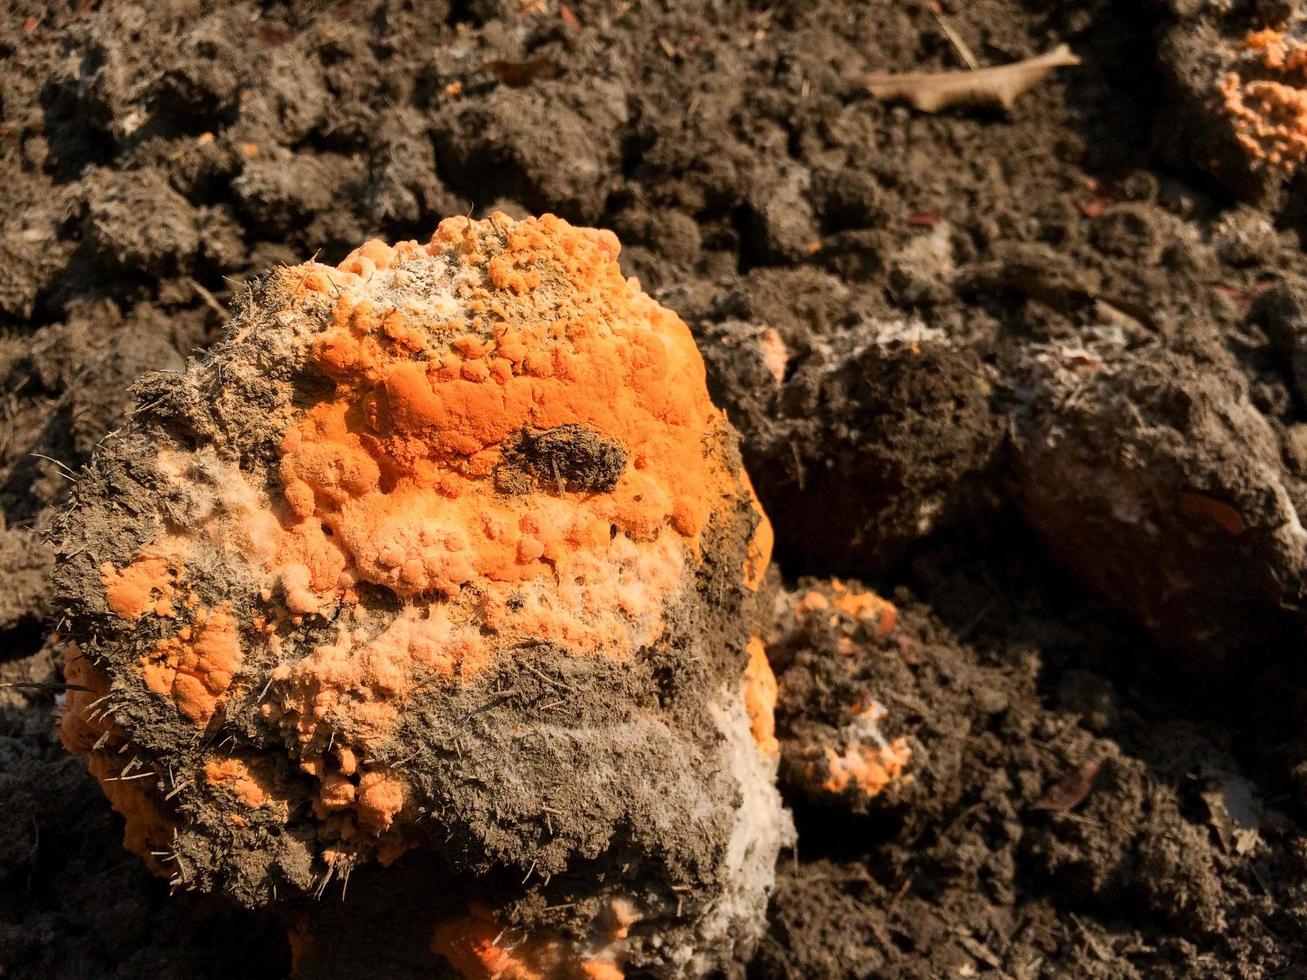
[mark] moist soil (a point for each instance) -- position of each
(1037, 375)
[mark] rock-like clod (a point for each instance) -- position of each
(443, 554)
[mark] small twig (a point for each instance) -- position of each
(1000, 86)
(67, 473)
(955, 39)
(547, 679)
(140, 775)
(499, 698)
(209, 299)
(33, 686)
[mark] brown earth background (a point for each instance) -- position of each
(1045, 386)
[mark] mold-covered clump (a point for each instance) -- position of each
(839, 745)
(1237, 99)
(442, 555)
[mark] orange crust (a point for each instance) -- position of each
(396, 464)
(86, 728)
(858, 603)
(1270, 114)
(246, 780)
(774, 353)
(479, 948)
(440, 357)
(195, 667)
(760, 693)
(869, 768)
(148, 583)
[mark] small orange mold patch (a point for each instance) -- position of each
(774, 353)
(760, 693)
(1278, 51)
(79, 728)
(479, 948)
(760, 545)
(366, 680)
(147, 830)
(380, 799)
(195, 667)
(866, 606)
(1269, 110)
(86, 728)
(862, 762)
(148, 582)
(248, 782)
(624, 915)
(871, 768)
(861, 604)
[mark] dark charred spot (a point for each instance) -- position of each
(568, 459)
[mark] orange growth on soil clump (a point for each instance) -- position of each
(519, 445)
(758, 558)
(86, 728)
(147, 584)
(760, 693)
(249, 783)
(466, 490)
(407, 464)
(79, 726)
(871, 768)
(196, 666)
(830, 633)
(862, 761)
(859, 603)
(1278, 52)
(774, 353)
(479, 948)
(1270, 113)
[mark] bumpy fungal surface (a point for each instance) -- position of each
(442, 551)
(838, 743)
(1266, 99)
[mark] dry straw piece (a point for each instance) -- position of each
(1002, 86)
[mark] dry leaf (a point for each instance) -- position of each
(1235, 814)
(1212, 511)
(932, 91)
(516, 74)
(1072, 790)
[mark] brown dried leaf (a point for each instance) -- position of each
(933, 91)
(1212, 511)
(518, 74)
(1072, 790)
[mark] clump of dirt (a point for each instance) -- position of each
(1032, 375)
(1087, 822)
(1187, 513)
(887, 423)
(310, 630)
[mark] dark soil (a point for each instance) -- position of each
(1044, 383)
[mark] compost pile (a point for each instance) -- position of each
(1023, 392)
